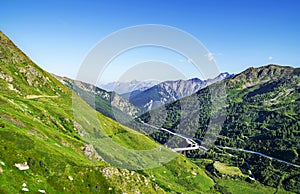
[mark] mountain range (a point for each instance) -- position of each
(168, 91)
(127, 87)
(142, 99)
(52, 140)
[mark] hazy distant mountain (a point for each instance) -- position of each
(125, 87)
(220, 77)
(169, 91)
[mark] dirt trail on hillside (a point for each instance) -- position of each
(39, 96)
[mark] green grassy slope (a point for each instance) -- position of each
(64, 155)
(110, 104)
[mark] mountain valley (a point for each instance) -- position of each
(55, 140)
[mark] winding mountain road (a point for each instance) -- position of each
(195, 145)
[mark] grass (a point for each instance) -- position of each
(40, 131)
(228, 170)
(190, 179)
(234, 186)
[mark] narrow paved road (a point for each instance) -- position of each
(190, 141)
(258, 153)
(195, 145)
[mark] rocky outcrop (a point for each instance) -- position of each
(22, 166)
(91, 153)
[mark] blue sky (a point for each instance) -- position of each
(57, 35)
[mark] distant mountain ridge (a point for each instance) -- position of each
(169, 91)
(127, 87)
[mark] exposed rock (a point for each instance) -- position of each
(22, 166)
(194, 173)
(65, 144)
(125, 177)
(7, 78)
(110, 171)
(12, 120)
(41, 191)
(1, 170)
(77, 126)
(25, 189)
(81, 133)
(147, 181)
(24, 185)
(70, 178)
(21, 70)
(90, 152)
(33, 71)
(11, 87)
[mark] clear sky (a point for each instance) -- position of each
(57, 35)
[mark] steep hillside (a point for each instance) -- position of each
(262, 115)
(110, 104)
(44, 149)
